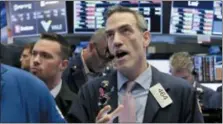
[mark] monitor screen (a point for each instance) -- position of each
(3, 22)
(192, 17)
(161, 65)
(89, 15)
(30, 18)
(208, 68)
(217, 23)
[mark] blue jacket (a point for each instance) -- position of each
(24, 98)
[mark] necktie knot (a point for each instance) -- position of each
(129, 86)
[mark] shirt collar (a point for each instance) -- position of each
(55, 91)
(142, 79)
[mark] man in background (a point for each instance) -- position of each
(48, 61)
(25, 99)
(90, 63)
(25, 56)
(181, 65)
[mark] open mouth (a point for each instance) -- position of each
(121, 54)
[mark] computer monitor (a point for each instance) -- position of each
(192, 17)
(217, 22)
(90, 15)
(30, 18)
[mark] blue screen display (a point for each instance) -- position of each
(35, 17)
(196, 17)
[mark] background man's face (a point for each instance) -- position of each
(125, 40)
(25, 59)
(183, 73)
(45, 60)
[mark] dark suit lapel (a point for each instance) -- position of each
(113, 102)
(78, 76)
(64, 98)
(66, 93)
(152, 106)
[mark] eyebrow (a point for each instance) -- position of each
(120, 27)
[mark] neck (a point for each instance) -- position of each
(87, 61)
(137, 70)
(52, 83)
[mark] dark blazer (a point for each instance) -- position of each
(216, 100)
(75, 75)
(64, 100)
(183, 109)
(205, 95)
(219, 89)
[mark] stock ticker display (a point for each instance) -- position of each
(196, 17)
(34, 17)
(90, 15)
(217, 22)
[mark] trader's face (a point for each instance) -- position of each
(184, 74)
(125, 40)
(46, 61)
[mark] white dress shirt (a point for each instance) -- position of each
(55, 91)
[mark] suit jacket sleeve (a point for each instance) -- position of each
(193, 112)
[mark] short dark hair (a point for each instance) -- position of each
(64, 45)
(29, 46)
(140, 20)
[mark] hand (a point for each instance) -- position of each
(104, 117)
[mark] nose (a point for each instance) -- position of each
(117, 40)
(36, 60)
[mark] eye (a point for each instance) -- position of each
(46, 55)
(109, 34)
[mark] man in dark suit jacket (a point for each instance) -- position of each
(183, 109)
(92, 62)
(158, 97)
(48, 61)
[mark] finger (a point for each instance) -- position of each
(117, 111)
(103, 111)
(104, 119)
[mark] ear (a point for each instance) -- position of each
(146, 39)
(63, 65)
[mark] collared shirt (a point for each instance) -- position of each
(140, 91)
(55, 91)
